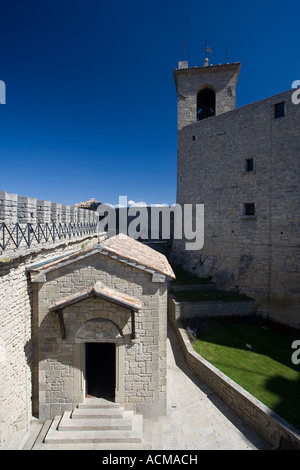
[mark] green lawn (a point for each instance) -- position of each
(266, 372)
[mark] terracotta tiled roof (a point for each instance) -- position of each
(210, 66)
(137, 252)
(91, 204)
(126, 248)
(101, 291)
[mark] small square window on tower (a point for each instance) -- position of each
(249, 164)
(249, 208)
(279, 110)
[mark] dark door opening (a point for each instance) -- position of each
(100, 370)
(206, 104)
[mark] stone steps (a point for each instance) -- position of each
(77, 435)
(93, 424)
(69, 422)
(97, 413)
(94, 403)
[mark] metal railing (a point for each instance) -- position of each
(27, 235)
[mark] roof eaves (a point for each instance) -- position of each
(61, 261)
(101, 291)
(211, 66)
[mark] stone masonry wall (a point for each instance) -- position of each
(16, 342)
(259, 254)
(144, 387)
(39, 221)
(209, 309)
(23, 209)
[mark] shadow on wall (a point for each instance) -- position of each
(288, 407)
(29, 346)
(29, 355)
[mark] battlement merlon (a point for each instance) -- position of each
(23, 209)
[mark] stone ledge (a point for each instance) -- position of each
(193, 287)
(8, 256)
(210, 308)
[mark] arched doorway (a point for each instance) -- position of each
(99, 360)
(206, 104)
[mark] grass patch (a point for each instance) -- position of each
(208, 295)
(266, 372)
(185, 278)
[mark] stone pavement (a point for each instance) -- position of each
(197, 418)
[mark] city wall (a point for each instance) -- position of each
(23, 209)
(16, 344)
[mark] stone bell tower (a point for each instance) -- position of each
(204, 91)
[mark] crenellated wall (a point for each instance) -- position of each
(16, 300)
(23, 209)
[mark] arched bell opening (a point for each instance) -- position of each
(206, 104)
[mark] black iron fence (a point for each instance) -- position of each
(27, 235)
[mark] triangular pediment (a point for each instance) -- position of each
(98, 290)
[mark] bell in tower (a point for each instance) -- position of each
(206, 103)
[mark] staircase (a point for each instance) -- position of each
(95, 424)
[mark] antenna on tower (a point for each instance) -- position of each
(207, 50)
(183, 64)
(183, 36)
(226, 51)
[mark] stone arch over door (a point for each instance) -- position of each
(98, 330)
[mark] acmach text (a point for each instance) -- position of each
(161, 459)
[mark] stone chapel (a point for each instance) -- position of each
(100, 328)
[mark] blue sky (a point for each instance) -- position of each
(90, 97)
